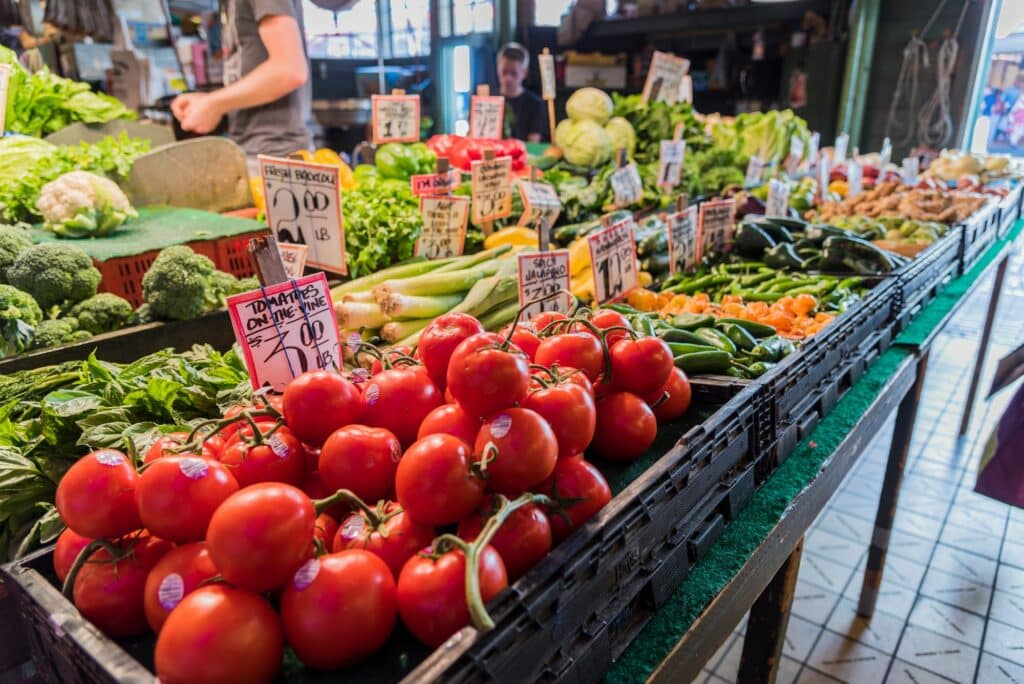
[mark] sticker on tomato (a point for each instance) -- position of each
(715, 226)
(613, 259)
(395, 118)
(544, 283)
(444, 227)
(682, 240)
(492, 189)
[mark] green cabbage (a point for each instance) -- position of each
(19, 154)
(621, 134)
(589, 104)
(561, 130)
(586, 144)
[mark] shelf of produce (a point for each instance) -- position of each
(923, 278)
(979, 232)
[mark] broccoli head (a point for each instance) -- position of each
(102, 313)
(18, 314)
(222, 286)
(13, 241)
(53, 332)
(55, 274)
(247, 285)
(140, 316)
(177, 286)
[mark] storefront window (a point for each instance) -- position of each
(999, 127)
(463, 17)
(549, 12)
(348, 34)
(410, 28)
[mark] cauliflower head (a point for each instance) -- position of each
(54, 274)
(83, 204)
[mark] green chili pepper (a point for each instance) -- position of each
(753, 327)
(704, 362)
(772, 349)
(625, 309)
(716, 338)
(681, 348)
(739, 336)
(692, 321)
(760, 368)
(677, 335)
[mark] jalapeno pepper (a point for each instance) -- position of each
(753, 327)
(739, 336)
(681, 348)
(677, 335)
(716, 338)
(704, 362)
(692, 321)
(759, 368)
(772, 349)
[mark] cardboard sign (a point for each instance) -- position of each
(840, 149)
(715, 226)
(294, 258)
(541, 208)
(854, 178)
(613, 255)
(285, 330)
(909, 170)
(670, 162)
(686, 89)
(755, 171)
(664, 78)
(492, 189)
(395, 118)
(444, 227)
(548, 87)
(5, 82)
(886, 154)
(813, 147)
(627, 185)
(778, 199)
(304, 207)
(541, 277)
(796, 154)
(682, 240)
(435, 184)
(486, 114)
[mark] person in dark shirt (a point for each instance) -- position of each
(525, 114)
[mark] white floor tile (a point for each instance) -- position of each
(964, 564)
(882, 631)
(956, 591)
(1005, 641)
(1007, 607)
(1010, 579)
(902, 672)
(995, 670)
(936, 653)
(947, 620)
(848, 660)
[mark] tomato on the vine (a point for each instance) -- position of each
(69, 545)
(485, 377)
(578, 491)
(546, 318)
(450, 419)
(319, 402)
(516, 449)
(605, 319)
(677, 387)
(393, 354)
(575, 349)
(339, 609)
(523, 336)
(362, 459)
(522, 540)
(180, 572)
(560, 374)
(435, 483)
(324, 529)
(394, 537)
(398, 400)
(96, 496)
(280, 457)
(641, 366)
(432, 592)
(439, 339)
(570, 411)
(177, 496)
(626, 427)
(220, 634)
(170, 445)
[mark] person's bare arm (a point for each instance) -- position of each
(534, 137)
(284, 70)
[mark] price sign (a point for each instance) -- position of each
(682, 240)
(434, 184)
(670, 162)
(686, 89)
(714, 226)
(294, 258)
(613, 255)
(824, 175)
(541, 208)
(854, 178)
(839, 151)
(304, 207)
(664, 78)
(542, 276)
(395, 118)
(492, 189)
(778, 199)
(627, 185)
(486, 113)
(5, 81)
(813, 147)
(796, 154)
(908, 172)
(755, 171)
(285, 330)
(886, 153)
(444, 227)
(546, 63)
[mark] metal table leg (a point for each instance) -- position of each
(766, 626)
(903, 431)
(986, 332)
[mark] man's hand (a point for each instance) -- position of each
(197, 112)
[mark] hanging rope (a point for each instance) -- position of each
(915, 55)
(935, 121)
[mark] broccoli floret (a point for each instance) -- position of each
(53, 332)
(222, 286)
(18, 314)
(55, 274)
(140, 316)
(177, 286)
(13, 241)
(79, 335)
(102, 313)
(246, 285)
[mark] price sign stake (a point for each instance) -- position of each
(486, 114)
(492, 190)
(548, 87)
(541, 208)
(5, 82)
(715, 226)
(395, 118)
(304, 207)
(841, 146)
(664, 78)
(613, 255)
(911, 167)
(444, 227)
(285, 330)
(778, 199)
(813, 147)
(755, 171)
(541, 277)
(854, 178)
(682, 240)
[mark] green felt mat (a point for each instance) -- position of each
(746, 532)
(157, 228)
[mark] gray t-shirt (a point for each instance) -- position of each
(277, 128)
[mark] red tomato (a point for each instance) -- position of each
(524, 337)
(626, 427)
(561, 374)
(180, 572)
(678, 389)
(578, 490)
(362, 459)
(546, 318)
(399, 399)
(315, 489)
(484, 378)
(522, 540)
(609, 318)
(576, 349)
(96, 496)
(519, 448)
(110, 593)
(439, 339)
(220, 634)
(324, 530)
(395, 539)
(432, 592)
(391, 355)
(319, 402)
(280, 459)
(641, 366)
(69, 545)
(177, 496)
(170, 445)
(434, 483)
(450, 419)
(261, 534)
(339, 609)
(570, 411)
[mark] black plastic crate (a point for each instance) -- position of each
(1009, 208)
(979, 232)
(921, 280)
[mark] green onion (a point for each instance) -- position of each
(471, 260)
(436, 283)
(365, 297)
(357, 315)
(398, 330)
(488, 293)
(500, 316)
(408, 269)
(402, 306)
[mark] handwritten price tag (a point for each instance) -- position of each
(755, 171)
(294, 258)
(715, 226)
(854, 178)
(486, 114)
(546, 63)
(613, 255)
(886, 153)
(444, 227)
(541, 208)
(395, 118)
(778, 199)
(682, 240)
(909, 170)
(813, 147)
(626, 185)
(796, 154)
(670, 162)
(5, 81)
(434, 184)
(686, 89)
(664, 78)
(543, 275)
(824, 175)
(304, 207)
(285, 330)
(840, 149)
(492, 189)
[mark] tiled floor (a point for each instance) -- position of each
(951, 606)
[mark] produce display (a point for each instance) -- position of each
(892, 198)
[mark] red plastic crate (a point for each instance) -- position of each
(233, 254)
